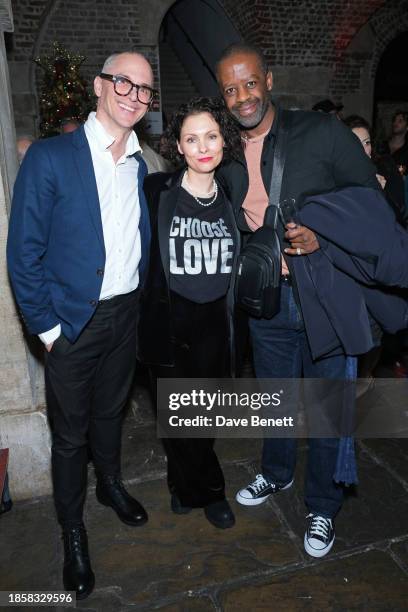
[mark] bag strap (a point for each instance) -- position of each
(279, 157)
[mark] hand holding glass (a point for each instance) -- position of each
(289, 211)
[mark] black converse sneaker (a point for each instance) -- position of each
(319, 536)
(258, 491)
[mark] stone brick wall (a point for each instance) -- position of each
(315, 36)
(386, 24)
(90, 27)
(244, 15)
(310, 34)
(95, 29)
(26, 15)
(305, 33)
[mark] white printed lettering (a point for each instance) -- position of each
(210, 259)
(174, 229)
(174, 268)
(190, 246)
(185, 225)
(226, 255)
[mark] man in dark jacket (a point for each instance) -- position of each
(397, 144)
(322, 155)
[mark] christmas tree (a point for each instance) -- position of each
(63, 91)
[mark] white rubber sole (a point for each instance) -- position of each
(247, 501)
(315, 552)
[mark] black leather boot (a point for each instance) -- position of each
(111, 492)
(220, 514)
(78, 575)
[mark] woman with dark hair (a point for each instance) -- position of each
(186, 318)
(388, 175)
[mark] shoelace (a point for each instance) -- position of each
(319, 526)
(259, 484)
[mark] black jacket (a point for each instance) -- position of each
(154, 344)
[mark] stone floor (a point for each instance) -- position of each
(182, 563)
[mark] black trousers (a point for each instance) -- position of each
(87, 385)
(200, 338)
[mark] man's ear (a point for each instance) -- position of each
(98, 86)
(269, 80)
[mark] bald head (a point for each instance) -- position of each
(113, 60)
(23, 144)
(243, 49)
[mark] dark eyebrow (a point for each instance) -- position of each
(248, 78)
(207, 132)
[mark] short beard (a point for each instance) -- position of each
(253, 121)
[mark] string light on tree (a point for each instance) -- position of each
(64, 92)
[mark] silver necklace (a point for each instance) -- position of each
(215, 187)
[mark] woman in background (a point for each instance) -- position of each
(388, 175)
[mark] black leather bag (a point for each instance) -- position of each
(257, 287)
(257, 284)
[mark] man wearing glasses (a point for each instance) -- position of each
(77, 250)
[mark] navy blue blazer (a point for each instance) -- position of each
(55, 250)
(341, 285)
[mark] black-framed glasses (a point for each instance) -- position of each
(123, 86)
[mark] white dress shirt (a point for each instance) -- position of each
(120, 213)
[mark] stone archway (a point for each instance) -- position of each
(353, 80)
(387, 24)
(192, 36)
(152, 13)
(357, 60)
